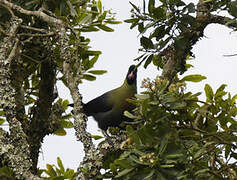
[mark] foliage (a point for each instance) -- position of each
(177, 136)
(162, 23)
(174, 134)
(57, 173)
(82, 17)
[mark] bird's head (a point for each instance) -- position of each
(132, 75)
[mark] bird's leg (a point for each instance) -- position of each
(107, 137)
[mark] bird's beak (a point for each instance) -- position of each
(131, 75)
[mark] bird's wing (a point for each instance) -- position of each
(102, 103)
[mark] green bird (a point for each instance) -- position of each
(108, 109)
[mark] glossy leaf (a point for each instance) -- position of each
(105, 28)
(97, 72)
(193, 78)
(146, 42)
(60, 132)
(209, 93)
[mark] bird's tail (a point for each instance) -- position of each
(71, 105)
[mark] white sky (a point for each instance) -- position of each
(118, 51)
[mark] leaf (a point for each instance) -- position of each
(151, 5)
(193, 78)
(167, 165)
(93, 53)
(93, 60)
(60, 165)
(178, 105)
(70, 174)
(135, 7)
(97, 72)
(159, 32)
(2, 121)
(131, 20)
(50, 171)
(201, 171)
(105, 28)
(159, 13)
(99, 5)
(146, 43)
(60, 132)
(209, 93)
(66, 124)
(163, 144)
(88, 77)
(65, 104)
(190, 7)
(148, 61)
(149, 175)
(96, 137)
(129, 115)
(221, 88)
(89, 29)
(234, 98)
(124, 172)
(112, 22)
(233, 8)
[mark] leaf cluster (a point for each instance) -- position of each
(163, 23)
(176, 136)
(58, 172)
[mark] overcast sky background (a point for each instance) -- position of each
(119, 48)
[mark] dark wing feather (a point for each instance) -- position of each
(97, 105)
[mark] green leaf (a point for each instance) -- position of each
(221, 88)
(159, 32)
(163, 144)
(159, 13)
(96, 137)
(131, 20)
(65, 104)
(146, 43)
(151, 5)
(193, 78)
(66, 124)
(209, 93)
(60, 132)
(191, 8)
(105, 28)
(2, 121)
(178, 105)
(201, 171)
(70, 174)
(50, 171)
(149, 175)
(89, 29)
(112, 22)
(129, 115)
(93, 60)
(99, 6)
(97, 72)
(93, 53)
(233, 8)
(167, 165)
(124, 172)
(88, 77)
(148, 61)
(135, 7)
(233, 99)
(60, 165)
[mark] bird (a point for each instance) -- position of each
(108, 109)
